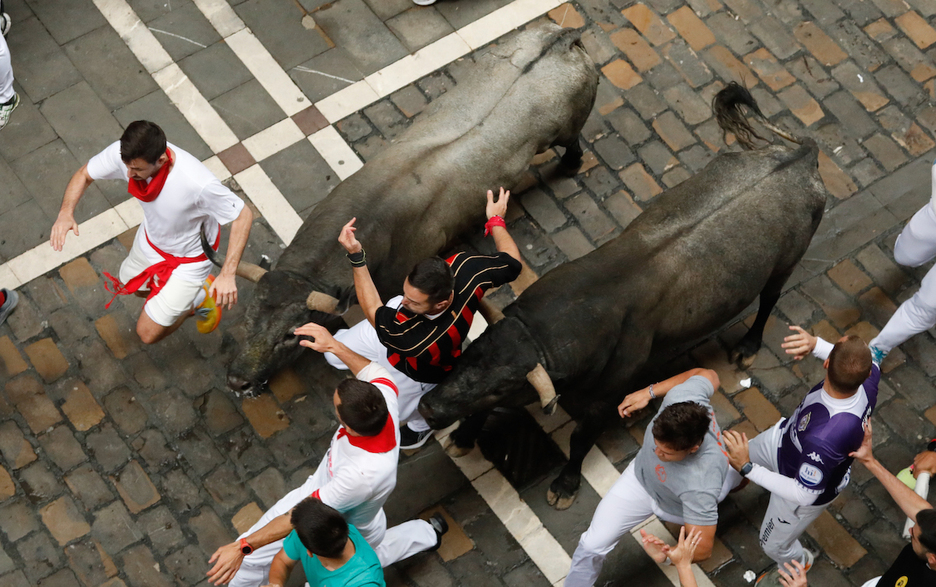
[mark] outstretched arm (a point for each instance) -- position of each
(639, 399)
(227, 559)
(321, 340)
(503, 242)
(364, 286)
(66, 217)
(224, 288)
(280, 569)
(906, 498)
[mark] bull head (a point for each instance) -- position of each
(538, 377)
(494, 370)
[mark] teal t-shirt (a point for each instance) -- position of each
(363, 570)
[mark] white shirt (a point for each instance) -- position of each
(191, 197)
(359, 479)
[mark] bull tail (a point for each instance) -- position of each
(563, 41)
(727, 105)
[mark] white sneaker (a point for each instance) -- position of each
(7, 109)
(423, 2)
(5, 23)
(810, 559)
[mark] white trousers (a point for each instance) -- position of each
(6, 72)
(625, 506)
(915, 246)
(176, 299)
(362, 339)
(785, 521)
(391, 545)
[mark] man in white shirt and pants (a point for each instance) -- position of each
(180, 198)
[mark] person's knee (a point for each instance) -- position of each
(592, 544)
(147, 336)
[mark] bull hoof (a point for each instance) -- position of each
(559, 502)
(456, 452)
(744, 353)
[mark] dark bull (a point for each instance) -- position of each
(423, 192)
(693, 260)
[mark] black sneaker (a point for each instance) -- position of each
(438, 523)
(11, 299)
(410, 439)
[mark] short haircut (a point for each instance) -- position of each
(362, 408)
(926, 520)
(321, 529)
(142, 140)
(682, 425)
(433, 277)
(849, 364)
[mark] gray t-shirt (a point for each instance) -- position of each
(688, 488)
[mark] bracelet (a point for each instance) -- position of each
(358, 259)
(652, 395)
(492, 222)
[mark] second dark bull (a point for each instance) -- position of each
(694, 259)
(424, 191)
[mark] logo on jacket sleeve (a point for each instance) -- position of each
(815, 456)
(810, 475)
(804, 422)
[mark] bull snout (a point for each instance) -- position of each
(241, 386)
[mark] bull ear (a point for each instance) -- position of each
(320, 302)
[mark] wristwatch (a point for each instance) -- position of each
(245, 546)
(746, 468)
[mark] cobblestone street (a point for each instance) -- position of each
(128, 465)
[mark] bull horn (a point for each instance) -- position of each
(543, 385)
(490, 312)
(319, 302)
(248, 271)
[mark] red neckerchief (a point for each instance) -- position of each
(384, 441)
(155, 276)
(147, 192)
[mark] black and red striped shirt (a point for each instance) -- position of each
(425, 348)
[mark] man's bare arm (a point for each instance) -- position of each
(503, 242)
(224, 288)
(323, 342)
(364, 286)
(66, 216)
(227, 559)
(906, 498)
(280, 569)
(706, 541)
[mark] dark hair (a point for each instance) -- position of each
(682, 425)
(142, 140)
(849, 364)
(433, 277)
(926, 520)
(362, 408)
(321, 529)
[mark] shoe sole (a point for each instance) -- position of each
(208, 325)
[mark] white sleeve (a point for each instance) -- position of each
(107, 164)
(219, 202)
(785, 487)
(374, 372)
(346, 490)
(823, 349)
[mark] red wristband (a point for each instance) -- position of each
(245, 546)
(492, 222)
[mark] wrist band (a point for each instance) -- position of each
(492, 222)
(358, 259)
(652, 395)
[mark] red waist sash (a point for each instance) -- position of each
(155, 276)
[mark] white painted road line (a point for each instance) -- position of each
(337, 153)
(268, 72)
(271, 203)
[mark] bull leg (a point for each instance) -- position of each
(572, 158)
(745, 351)
(463, 438)
(564, 489)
